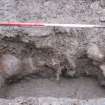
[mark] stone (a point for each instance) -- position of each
(102, 3)
(95, 53)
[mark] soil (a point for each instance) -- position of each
(81, 88)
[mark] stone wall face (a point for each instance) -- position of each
(74, 43)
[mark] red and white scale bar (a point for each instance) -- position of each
(20, 24)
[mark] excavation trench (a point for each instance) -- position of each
(29, 44)
(46, 85)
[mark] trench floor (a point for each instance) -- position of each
(82, 88)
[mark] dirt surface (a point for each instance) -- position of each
(65, 11)
(81, 88)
